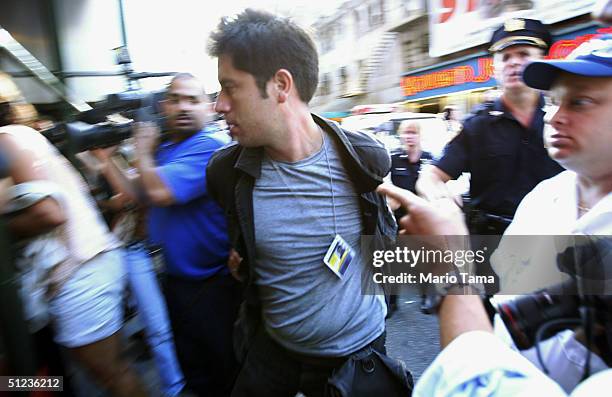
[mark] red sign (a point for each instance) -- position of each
(562, 48)
(463, 74)
(449, 77)
(450, 7)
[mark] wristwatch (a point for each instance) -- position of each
(434, 293)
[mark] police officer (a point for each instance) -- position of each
(405, 169)
(501, 143)
(406, 165)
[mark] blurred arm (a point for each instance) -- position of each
(473, 362)
(154, 187)
(41, 217)
(459, 313)
(431, 184)
(127, 188)
(158, 193)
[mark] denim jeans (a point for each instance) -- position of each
(153, 313)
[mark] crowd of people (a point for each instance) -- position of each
(263, 288)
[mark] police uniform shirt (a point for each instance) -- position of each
(505, 159)
(404, 174)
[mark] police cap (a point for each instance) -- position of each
(523, 31)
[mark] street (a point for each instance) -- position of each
(412, 336)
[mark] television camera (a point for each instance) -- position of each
(109, 123)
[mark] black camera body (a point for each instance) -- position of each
(93, 129)
(538, 316)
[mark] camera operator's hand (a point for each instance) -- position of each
(146, 137)
(104, 154)
(440, 217)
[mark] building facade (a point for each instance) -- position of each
(426, 55)
(364, 46)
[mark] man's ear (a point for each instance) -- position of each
(283, 84)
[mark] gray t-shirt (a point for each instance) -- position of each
(306, 307)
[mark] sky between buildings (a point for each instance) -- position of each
(172, 35)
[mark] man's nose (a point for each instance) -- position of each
(553, 115)
(182, 106)
(222, 105)
(515, 60)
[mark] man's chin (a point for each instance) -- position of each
(515, 85)
(562, 156)
(184, 132)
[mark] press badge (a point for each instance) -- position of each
(339, 256)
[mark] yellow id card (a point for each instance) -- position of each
(339, 256)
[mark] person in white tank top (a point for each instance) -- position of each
(83, 287)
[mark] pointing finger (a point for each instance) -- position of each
(406, 198)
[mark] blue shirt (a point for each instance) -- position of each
(192, 231)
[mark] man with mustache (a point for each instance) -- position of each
(201, 295)
(501, 143)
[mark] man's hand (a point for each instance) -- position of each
(431, 184)
(146, 137)
(393, 203)
(104, 154)
(233, 263)
(438, 225)
(439, 217)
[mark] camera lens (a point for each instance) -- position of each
(523, 316)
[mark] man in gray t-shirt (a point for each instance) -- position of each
(307, 308)
(298, 193)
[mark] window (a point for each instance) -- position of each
(324, 85)
(326, 38)
(357, 23)
(412, 7)
(376, 14)
(408, 54)
(343, 79)
(425, 43)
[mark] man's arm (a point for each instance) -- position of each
(127, 189)
(431, 184)
(459, 314)
(157, 192)
(148, 186)
(465, 331)
(41, 217)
